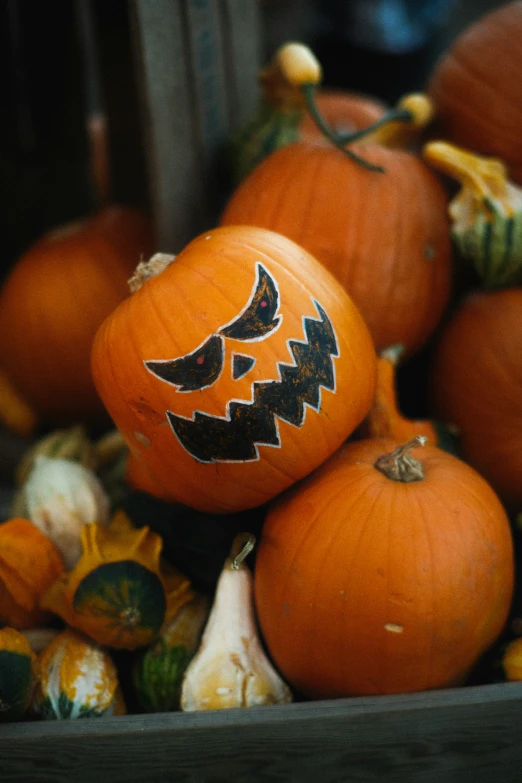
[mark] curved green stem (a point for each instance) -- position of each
(308, 92)
(394, 115)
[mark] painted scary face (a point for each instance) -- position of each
(301, 374)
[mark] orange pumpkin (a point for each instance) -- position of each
(54, 299)
(385, 236)
(476, 379)
(383, 572)
(343, 111)
(234, 371)
(476, 87)
(29, 564)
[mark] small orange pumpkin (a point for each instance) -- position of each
(29, 563)
(383, 573)
(385, 236)
(475, 87)
(476, 381)
(54, 299)
(236, 370)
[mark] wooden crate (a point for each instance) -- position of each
(197, 66)
(466, 735)
(197, 61)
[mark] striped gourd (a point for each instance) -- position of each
(78, 679)
(486, 213)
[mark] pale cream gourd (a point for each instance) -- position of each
(230, 668)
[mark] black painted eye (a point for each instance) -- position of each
(259, 316)
(196, 370)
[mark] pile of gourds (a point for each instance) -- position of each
(255, 384)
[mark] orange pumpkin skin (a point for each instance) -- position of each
(476, 88)
(183, 439)
(476, 381)
(342, 111)
(364, 585)
(54, 299)
(384, 236)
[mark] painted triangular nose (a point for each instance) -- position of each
(241, 365)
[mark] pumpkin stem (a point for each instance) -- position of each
(300, 69)
(309, 94)
(399, 465)
(242, 545)
(413, 112)
(149, 269)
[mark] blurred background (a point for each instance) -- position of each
(64, 63)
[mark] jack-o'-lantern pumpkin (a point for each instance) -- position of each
(236, 370)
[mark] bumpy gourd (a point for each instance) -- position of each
(119, 593)
(78, 679)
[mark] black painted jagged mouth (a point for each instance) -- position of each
(236, 437)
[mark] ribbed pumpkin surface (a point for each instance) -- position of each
(477, 385)
(384, 236)
(365, 585)
(476, 87)
(228, 439)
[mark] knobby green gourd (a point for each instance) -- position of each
(486, 213)
(159, 671)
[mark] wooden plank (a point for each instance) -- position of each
(161, 50)
(466, 735)
(210, 86)
(243, 46)
(197, 66)
(205, 42)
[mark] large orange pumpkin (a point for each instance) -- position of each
(385, 236)
(383, 572)
(54, 299)
(476, 87)
(476, 380)
(235, 371)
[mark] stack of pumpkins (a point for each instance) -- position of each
(258, 367)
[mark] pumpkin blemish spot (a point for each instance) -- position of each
(141, 438)
(429, 252)
(393, 627)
